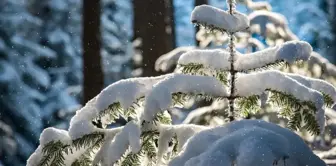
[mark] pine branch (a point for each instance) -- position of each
(114, 111)
(248, 105)
(131, 160)
(86, 158)
(148, 146)
(191, 68)
(276, 64)
(328, 100)
(194, 69)
(163, 118)
(208, 27)
(53, 154)
(148, 149)
(88, 140)
(295, 119)
(310, 123)
(222, 76)
(292, 109)
(180, 98)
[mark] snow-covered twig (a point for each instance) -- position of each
(288, 52)
(316, 84)
(219, 19)
(125, 92)
(257, 83)
(160, 98)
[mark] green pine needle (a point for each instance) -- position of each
(328, 101)
(248, 105)
(292, 108)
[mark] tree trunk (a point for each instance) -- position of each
(92, 70)
(154, 25)
(197, 3)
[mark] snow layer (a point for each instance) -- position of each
(219, 59)
(109, 136)
(36, 157)
(316, 84)
(160, 98)
(212, 16)
(48, 135)
(257, 83)
(53, 134)
(246, 143)
(182, 132)
(288, 52)
(216, 59)
(126, 92)
(129, 136)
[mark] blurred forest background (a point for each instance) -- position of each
(56, 55)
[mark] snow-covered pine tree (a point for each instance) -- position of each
(149, 139)
(266, 28)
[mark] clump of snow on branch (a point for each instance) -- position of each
(257, 83)
(36, 157)
(160, 98)
(220, 59)
(288, 52)
(48, 135)
(246, 143)
(182, 132)
(53, 134)
(101, 155)
(317, 84)
(126, 92)
(217, 59)
(219, 19)
(128, 136)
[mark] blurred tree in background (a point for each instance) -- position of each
(154, 26)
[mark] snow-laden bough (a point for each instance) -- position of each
(160, 98)
(218, 59)
(272, 80)
(219, 19)
(126, 92)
